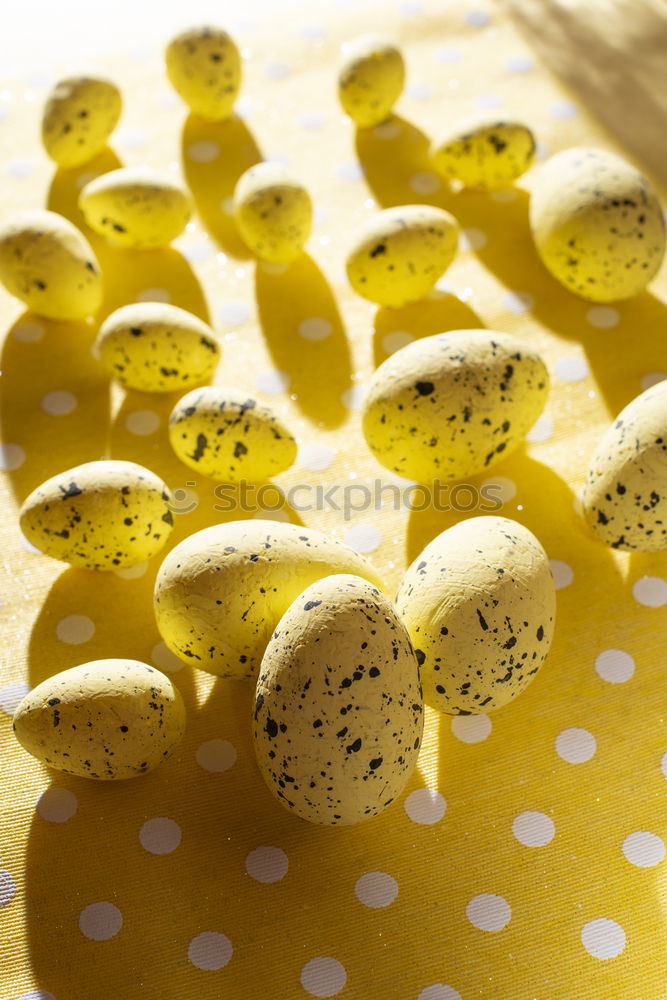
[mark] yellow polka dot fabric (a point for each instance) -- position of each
(525, 859)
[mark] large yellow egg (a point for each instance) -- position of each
(136, 207)
(79, 116)
(371, 79)
(273, 212)
(204, 68)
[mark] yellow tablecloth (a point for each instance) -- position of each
(525, 859)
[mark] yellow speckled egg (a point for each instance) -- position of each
(228, 435)
(401, 252)
(597, 224)
(136, 207)
(452, 405)
(79, 116)
(157, 348)
(483, 153)
(371, 79)
(47, 263)
(204, 67)
(107, 719)
(101, 515)
(479, 604)
(273, 212)
(338, 710)
(219, 593)
(625, 496)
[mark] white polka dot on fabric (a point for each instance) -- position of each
(59, 403)
(7, 888)
(197, 253)
(160, 835)
(323, 977)
(315, 328)
(533, 829)
(272, 266)
(439, 991)
(419, 92)
(425, 182)
(575, 745)
(411, 7)
(20, 168)
(603, 317)
(163, 658)
(518, 302)
(267, 864)
(541, 150)
(498, 488)
(615, 666)
(203, 151)
(12, 456)
(425, 806)
(315, 457)
(210, 951)
(488, 912)
(313, 32)
(75, 629)
(477, 18)
(603, 938)
(448, 56)
(571, 369)
(651, 591)
(28, 333)
(312, 120)
(100, 921)
(277, 71)
(273, 382)
(520, 64)
(489, 101)
(131, 139)
(131, 572)
(644, 849)
(363, 538)
(246, 107)
(353, 398)
(86, 178)
(216, 755)
(233, 313)
(11, 695)
(471, 728)
(652, 379)
(472, 239)
(376, 890)
(227, 206)
(503, 195)
(154, 295)
(663, 765)
(57, 805)
(541, 430)
(351, 170)
(394, 341)
(142, 422)
(563, 110)
(390, 129)
(562, 573)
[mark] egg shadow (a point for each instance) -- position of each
(52, 388)
(440, 312)
(395, 156)
(510, 254)
(212, 179)
(320, 369)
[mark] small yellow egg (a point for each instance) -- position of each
(229, 436)
(479, 604)
(101, 515)
(487, 154)
(401, 252)
(219, 594)
(273, 212)
(338, 705)
(79, 116)
(136, 207)
(48, 264)
(625, 496)
(597, 224)
(371, 79)
(155, 347)
(454, 404)
(204, 68)
(107, 719)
